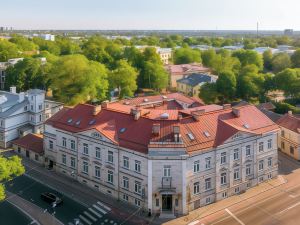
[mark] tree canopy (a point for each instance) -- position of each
(186, 55)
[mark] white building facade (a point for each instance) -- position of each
(165, 165)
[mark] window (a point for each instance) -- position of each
(36, 157)
(137, 202)
(97, 171)
(282, 133)
(126, 182)
(237, 190)
(269, 176)
(50, 144)
(98, 152)
(31, 107)
(261, 179)
(236, 154)
(64, 159)
(138, 187)
(196, 188)
(137, 166)
(72, 144)
(176, 202)
(292, 150)
(126, 162)
(25, 108)
(282, 145)
(110, 177)
(196, 166)
(223, 178)
(110, 157)
(40, 118)
(64, 142)
(269, 143)
(270, 162)
(260, 146)
(208, 184)
(73, 162)
(19, 150)
(248, 150)
(125, 197)
(208, 163)
(208, 201)
(223, 157)
(167, 171)
(236, 174)
(85, 167)
(85, 149)
(224, 195)
(157, 202)
(40, 106)
(261, 165)
(248, 169)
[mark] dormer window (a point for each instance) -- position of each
(206, 134)
(191, 136)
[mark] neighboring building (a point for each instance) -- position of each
(233, 47)
(289, 138)
(23, 113)
(191, 84)
(177, 72)
(30, 146)
(276, 96)
(267, 106)
(288, 32)
(46, 37)
(261, 50)
(165, 55)
(165, 161)
(3, 67)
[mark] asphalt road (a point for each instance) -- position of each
(10, 215)
(29, 189)
(280, 205)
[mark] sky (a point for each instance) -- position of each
(151, 14)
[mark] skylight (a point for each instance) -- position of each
(206, 134)
(78, 122)
(70, 120)
(92, 122)
(246, 126)
(146, 100)
(122, 130)
(164, 116)
(191, 136)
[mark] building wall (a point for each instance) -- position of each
(289, 143)
(23, 152)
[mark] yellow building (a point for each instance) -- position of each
(190, 85)
(289, 138)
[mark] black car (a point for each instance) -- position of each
(51, 198)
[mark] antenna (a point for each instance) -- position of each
(257, 30)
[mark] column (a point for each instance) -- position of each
(184, 208)
(150, 184)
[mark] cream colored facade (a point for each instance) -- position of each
(289, 142)
(167, 178)
(188, 89)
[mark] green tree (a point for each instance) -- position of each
(248, 57)
(49, 46)
(295, 58)
(267, 57)
(75, 80)
(124, 78)
(26, 74)
(186, 55)
(67, 46)
(226, 85)
(208, 93)
(288, 81)
(8, 51)
(23, 43)
(9, 168)
(280, 62)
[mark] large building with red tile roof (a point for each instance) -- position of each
(163, 159)
(289, 139)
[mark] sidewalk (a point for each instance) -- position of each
(226, 203)
(83, 194)
(34, 212)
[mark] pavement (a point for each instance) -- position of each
(270, 203)
(89, 206)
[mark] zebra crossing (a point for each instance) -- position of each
(94, 215)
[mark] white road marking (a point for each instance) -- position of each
(292, 206)
(97, 214)
(90, 216)
(104, 206)
(99, 209)
(85, 220)
(234, 217)
(194, 222)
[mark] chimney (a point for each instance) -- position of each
(96, 110)
(196, 114)
(13, 90)
(176, 132)
(156, 129)
(136, 113)
(21, 96)
(290, 112)
(236, 112)
(226, 106)
(104, 104)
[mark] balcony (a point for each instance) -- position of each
(166, 185)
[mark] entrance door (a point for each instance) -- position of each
(166, 202)
(50, 164)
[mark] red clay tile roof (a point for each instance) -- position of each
(290, 122)
(31, 142)
(121, 128)
(186, 69)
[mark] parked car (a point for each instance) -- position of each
(51, 198)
